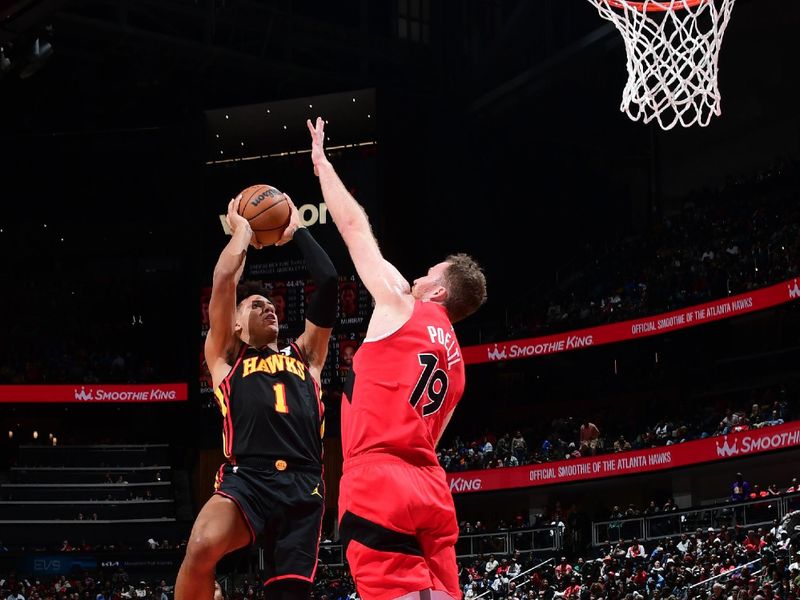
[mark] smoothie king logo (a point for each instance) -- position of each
(82, 394)
(758, 443)
(496, 354)
(794, 290)
(460, 484)
(100, 394)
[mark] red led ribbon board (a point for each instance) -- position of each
(150, 392)
(691, 316)
(720, 448)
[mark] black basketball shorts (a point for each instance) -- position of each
(283, 509)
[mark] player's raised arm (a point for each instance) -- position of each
(321, 310)
(220, 340)
(382, 279)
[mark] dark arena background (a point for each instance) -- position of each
(640, 348)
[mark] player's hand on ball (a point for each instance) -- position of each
(294, 223)
(235, 220)
(317, 131)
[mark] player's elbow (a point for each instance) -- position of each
(328, 277)
(324, 302)
(355, 222)
(329, 288)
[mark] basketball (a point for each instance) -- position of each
(267, 210)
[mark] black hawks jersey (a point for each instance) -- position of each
(271, 408)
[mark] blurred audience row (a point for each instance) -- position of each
(724, 241)
(570, 437)
(741, 564)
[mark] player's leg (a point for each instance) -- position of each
(428, 594)
(381, 574)
(438, 546)
(296, 532)
(377, 531)
(220, 528)
(438, 532)
(444, 574)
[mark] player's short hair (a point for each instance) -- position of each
(466, 286)
(246, 289)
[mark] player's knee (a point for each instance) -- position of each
(204, 549)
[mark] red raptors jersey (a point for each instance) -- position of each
(403, 389)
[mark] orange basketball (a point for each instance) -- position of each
(267, 210)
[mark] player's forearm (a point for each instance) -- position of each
(347, 213)
(322, 305)
(231, 260)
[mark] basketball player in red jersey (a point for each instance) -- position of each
(396, 515)
(270, 491)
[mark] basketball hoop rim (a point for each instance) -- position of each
(656, 5)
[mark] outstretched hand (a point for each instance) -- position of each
(317, 131)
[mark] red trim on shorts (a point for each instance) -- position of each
(301, 577)
(218, 478)
(244, 514)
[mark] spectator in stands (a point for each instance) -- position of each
(563, 569)
(621, 444)
(514, 568)
(636, 550)
(631, 512)
(16, 595)
(773, 490)
(218, 593)
(756, 416)
(503, 445)
(519, 446)
(756, 492)
(753, 543)
(740, 489)
(589, 437)
(652, 509)
(795, 566)
(573, 589)
(491, 565)
(727, 423)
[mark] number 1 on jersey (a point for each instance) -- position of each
(280, 398)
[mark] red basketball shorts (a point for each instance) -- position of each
(398, 525)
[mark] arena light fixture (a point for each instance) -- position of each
(40, 54)
(5, 62)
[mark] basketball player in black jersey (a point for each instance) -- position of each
(270, 491)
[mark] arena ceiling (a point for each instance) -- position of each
(135, 58)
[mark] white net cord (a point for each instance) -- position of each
(672, 57)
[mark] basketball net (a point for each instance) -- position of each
(673, 49)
